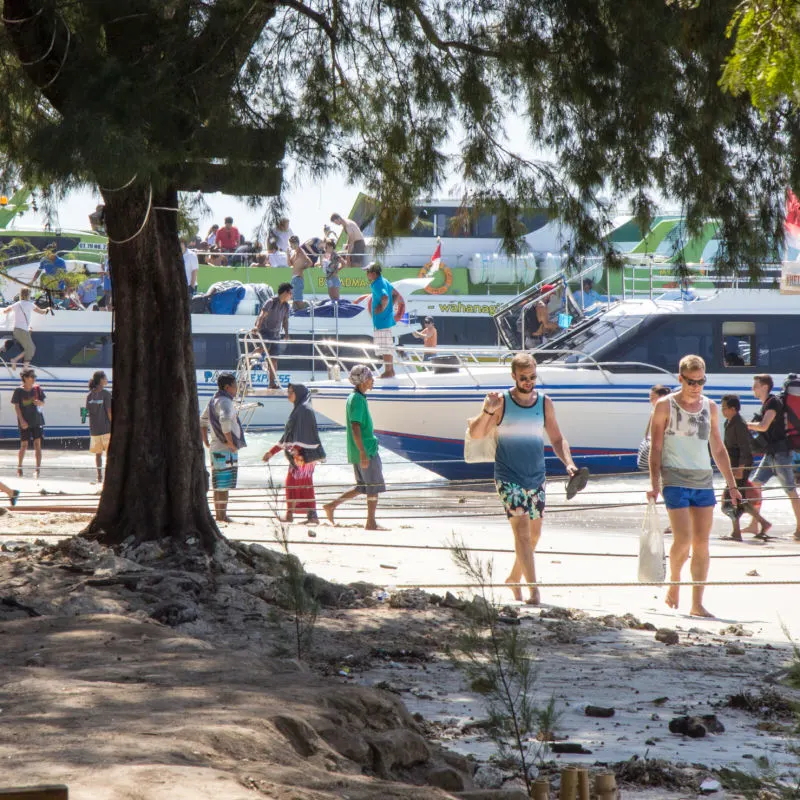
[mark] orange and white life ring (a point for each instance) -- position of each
(448, 278)
(399, 306)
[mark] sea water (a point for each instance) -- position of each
(77, 465)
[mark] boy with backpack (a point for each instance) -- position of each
(738, 443)
(777, 460)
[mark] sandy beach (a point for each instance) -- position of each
(591, 644)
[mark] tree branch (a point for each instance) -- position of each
(314, 16)
(232, 28)
(43, 43)
(451, 44)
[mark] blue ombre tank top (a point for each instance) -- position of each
(520, 444)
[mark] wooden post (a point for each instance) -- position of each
(569, 784)
(541, 789)
(35, 793)
(605, 786)
(583, 784)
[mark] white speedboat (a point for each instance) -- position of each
(73, 344)
(597, 370)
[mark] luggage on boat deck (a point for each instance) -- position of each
(225, 296)
(200, 304)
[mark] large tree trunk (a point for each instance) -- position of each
(155, 483)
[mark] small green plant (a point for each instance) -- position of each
(497, 661)
(302, 602)
(793, 675)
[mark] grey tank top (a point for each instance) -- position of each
(686, 460)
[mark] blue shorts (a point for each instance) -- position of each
(681, 497)
(297, 288)
(779, 466)
(334, 282)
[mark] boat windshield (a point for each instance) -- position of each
(594, 337)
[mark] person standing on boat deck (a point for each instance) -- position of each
(429, 336)
(98, 408)
(522, 416)
(274, 316)
(738, 443)
(777, 460)
(332, 264)
(191, 267)
(28, 401)
(211, 236)
(684, 426)
(383, 299)
(227, 438)
(356, 246)
(299, 262)
(303, 447)
(23, 310)
(282, 234)
(362, 449)
(228, 237)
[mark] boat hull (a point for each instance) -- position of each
(602, 415)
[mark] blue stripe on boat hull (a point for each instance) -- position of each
(445, 457)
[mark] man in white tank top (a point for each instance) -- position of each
(684, 426)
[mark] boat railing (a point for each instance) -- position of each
(649, 278)
(414, 361)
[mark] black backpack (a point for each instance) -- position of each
(790, 397)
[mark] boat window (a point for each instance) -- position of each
(777, 344)
(663, 343)
(739, 344)
(215, 350)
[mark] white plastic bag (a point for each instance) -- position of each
(478, 451)
(652, 559)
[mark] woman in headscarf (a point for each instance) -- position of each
(301, 443)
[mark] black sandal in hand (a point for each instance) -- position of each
(577, 483)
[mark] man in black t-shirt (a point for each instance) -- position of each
(777, 460)
(28, 400)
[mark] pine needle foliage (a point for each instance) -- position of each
(405, 94)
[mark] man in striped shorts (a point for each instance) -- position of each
(227, 438)
(383, 300)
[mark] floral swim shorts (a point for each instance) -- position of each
(518, 501)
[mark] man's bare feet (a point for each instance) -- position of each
(329, 508)
(700, 611)
(672, 596)
(374, 526)
(534, 598)
(516, 590)
(387, 375)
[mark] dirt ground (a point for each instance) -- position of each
(141, 675)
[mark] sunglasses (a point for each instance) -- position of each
(527, 378)
(695, 382)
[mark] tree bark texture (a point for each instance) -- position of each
(155, 483)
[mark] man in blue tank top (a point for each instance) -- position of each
(520, 417)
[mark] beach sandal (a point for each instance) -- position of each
(764, 537)
(14, 497)
(577, 483)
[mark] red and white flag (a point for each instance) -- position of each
(436, 258)
(791, 224)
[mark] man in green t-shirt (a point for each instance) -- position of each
(362, 449)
